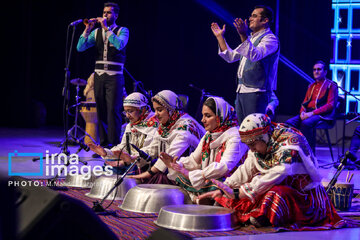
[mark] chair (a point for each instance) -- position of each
(185, 100)
(326, 125)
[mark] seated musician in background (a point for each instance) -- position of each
(279, 183)
(319, 104)
(177, 135)
(140, 131)
(218, 153)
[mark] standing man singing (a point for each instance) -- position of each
(258, 55)
(110, 41)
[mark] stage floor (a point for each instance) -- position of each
(46, 140)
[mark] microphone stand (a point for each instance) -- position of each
(203, 94)
(52, 184)
(66, 94)
(97, 207)
(338, 171)
(66, 89)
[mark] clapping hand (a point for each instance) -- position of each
(241, 26)
(170, 162)
(167, 159)
(180, 169)
(217, 31)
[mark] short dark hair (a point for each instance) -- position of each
(267, 12)
(323, 63)
(115, 6)
(210, 103)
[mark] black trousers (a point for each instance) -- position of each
(108, 91)
(247, 103)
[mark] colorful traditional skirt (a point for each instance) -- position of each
(286, 207)
(186, 184)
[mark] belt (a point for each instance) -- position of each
(102, 66)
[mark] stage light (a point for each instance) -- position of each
(345, 64)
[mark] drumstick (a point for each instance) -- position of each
(350, 177)
(347, 176)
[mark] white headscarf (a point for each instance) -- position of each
(135, 99)
(224, 110)
(169, 100)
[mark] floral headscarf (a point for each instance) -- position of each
(173, 104)
(226, 118)
(139, 101)
(285, 144)
(255, 126)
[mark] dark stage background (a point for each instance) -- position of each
(170, 46)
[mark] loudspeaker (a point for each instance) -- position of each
(7, 216)
(46, 214)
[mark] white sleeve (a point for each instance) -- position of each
(234, 150)
(268, 45)
(179, 144)
(262, 183)
(229, 55)
(152, 148)
(191, 162)
(244, 172)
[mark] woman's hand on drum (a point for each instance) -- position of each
(141, 175)
(97, 149)
(134, 176)
(115, 163)
(225, 188)
(167, 159)
(124, 156)
(212, 194)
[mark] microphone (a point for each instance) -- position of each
(142, 154)
(74, 23)
(81, 144)
(128, 149)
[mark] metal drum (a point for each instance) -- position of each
(79, 181)
(197, 218)
(150, 198)
(103, 185)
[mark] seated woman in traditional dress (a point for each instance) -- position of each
(279, 183)
(177, 135)
(140, 131)
(218, 153)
